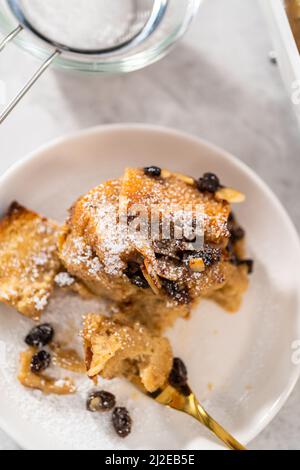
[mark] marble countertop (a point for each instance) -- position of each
(217, 84)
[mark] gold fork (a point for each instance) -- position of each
(184, 400)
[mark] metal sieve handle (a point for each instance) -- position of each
(10, 37)
(157, 14)
(32, 80)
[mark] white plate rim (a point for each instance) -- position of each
(171, 132)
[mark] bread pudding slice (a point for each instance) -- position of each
(28, 260)
(116, 347)
(153, 278)
(82, 242)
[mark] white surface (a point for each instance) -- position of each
(285, 46)
(217, 84)
(235, 353)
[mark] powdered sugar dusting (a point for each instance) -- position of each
(40, 303)
(64, 279)
(84, 255)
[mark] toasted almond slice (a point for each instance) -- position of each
(150, 281)
(230, 195)
(197, 265)
(151, 277)
(186, 179)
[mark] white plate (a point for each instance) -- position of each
(240, 365)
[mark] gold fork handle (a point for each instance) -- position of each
(201, 415)
(185, 401)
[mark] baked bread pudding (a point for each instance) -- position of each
(153, 244)
(29, 260)
(155, 279)
(116, 347)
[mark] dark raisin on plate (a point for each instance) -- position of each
(40, 362)
(40, 336)
(152, 171)
(209, 183)
(176, 292)
(179, 375)
(100, 401)
(122, 421)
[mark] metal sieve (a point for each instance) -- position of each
(94, 35)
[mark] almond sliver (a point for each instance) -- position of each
(151, 277)
(166, 174)
(186, 179)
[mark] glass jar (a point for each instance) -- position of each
(106, 36)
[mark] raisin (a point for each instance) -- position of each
(100, 401)
(40, 335)
(132, 269)
(179, 375)
(249, 263)
(209, 183)
(152, 171)
(236, 261)
(230, 251)
(169, 248)
(237, 234)
(176, 292)
(122, 422)
(40, 362)
(139, 281)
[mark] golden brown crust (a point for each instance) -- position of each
(28, 260)
(94, 251)
(139, 189)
